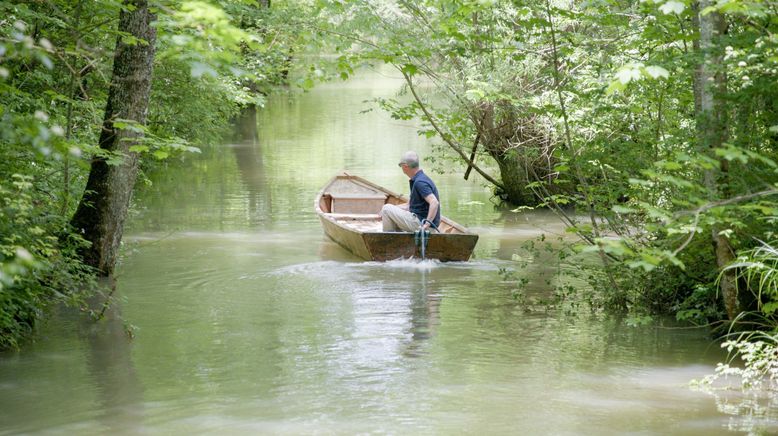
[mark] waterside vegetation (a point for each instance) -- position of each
(92, 95)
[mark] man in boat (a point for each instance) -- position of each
(423, 210)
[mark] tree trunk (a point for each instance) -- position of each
(103, 208)
(513, 173)
(710, 89)
(496, 136)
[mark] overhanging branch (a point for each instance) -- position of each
(445, 135)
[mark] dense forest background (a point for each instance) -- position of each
(650, 127)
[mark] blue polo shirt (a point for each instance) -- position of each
(421, 187)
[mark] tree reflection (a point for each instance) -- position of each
(251, 167)
(110, 364)
(246, 125)
(425, 316)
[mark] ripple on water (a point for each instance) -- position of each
(308, 268)
(283, 236)
(412, 264)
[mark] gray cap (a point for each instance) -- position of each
(411, 159)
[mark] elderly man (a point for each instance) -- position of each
(423, 210)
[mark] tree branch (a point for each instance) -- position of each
(699, 211)
(443, 134)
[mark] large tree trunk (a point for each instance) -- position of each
(710, 89)
(103, 208)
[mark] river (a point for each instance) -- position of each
(247, 320)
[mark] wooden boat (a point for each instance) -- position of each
(348, 207)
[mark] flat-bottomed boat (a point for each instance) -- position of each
(349, 210)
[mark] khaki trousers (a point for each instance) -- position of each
(395, 219)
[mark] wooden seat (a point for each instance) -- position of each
(355, 216)
(357, 203)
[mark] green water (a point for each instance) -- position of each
(249, 321)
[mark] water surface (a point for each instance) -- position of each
(248, 320)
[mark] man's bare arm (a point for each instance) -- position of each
(433, 212)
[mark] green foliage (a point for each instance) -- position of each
(37, 268)
(758, 354)
(55, 69)
(203, 36)
(753, 354)
(758, 267)
(38, 265)
(751, 370)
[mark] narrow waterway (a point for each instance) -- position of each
(247, 320)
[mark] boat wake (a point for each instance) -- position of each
(409, 263)
(336, 268)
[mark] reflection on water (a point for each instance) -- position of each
(109, 361)
(250, 321)
(424, 316)
(248, 156)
